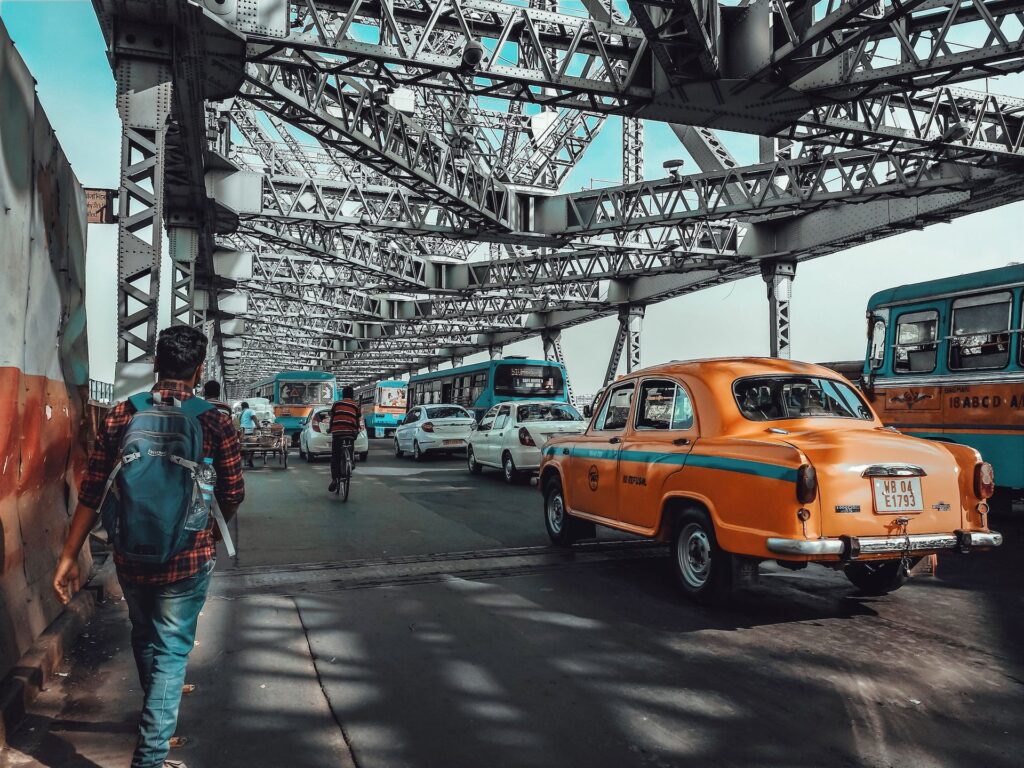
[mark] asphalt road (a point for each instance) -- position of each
(426, 623)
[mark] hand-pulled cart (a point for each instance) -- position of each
(269, 440)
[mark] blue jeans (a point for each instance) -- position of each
(164, 621)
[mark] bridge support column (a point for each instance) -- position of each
(553, 352)
(457, 360)
(627, 339)
(183, 248)
(495, 351)
(778, 275)
(432, 365)
(144, 91)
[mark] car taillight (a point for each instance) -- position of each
(525, 438)
(806, 484)
(984, 480)
(428, 426)
(316, 426)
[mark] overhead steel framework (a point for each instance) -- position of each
(380, 186)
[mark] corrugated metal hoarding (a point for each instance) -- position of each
(43, 355)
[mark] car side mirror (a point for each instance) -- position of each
(588, 410)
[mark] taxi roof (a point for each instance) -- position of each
(736, 367)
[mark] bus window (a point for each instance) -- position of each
(528, 380)
(916, 342)
(981, 335)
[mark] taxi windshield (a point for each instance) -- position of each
(768, 398)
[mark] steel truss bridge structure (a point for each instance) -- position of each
(377, 186)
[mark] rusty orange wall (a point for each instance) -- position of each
(43, 354)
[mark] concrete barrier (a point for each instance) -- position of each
(43, 355)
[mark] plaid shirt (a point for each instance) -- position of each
(219, 441)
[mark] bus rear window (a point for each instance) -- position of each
(306, 393)
(513, 380)
(981, 332)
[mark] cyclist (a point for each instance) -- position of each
(345, 417)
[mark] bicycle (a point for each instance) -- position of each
(347, 464)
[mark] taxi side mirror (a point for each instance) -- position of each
(588, 410)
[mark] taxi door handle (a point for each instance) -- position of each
(681, 441)
(614, 440)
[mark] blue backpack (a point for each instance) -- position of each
(149, 507)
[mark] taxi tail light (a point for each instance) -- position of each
(525, 438)
(806, 484)
(428, 426)
(984, 481)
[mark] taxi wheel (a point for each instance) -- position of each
(702, 568)
(563, 529)
(879, 578)
(471, 462)
(398, 449)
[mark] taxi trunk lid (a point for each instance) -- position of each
(849, 463)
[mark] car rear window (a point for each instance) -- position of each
(447, 412)
(548, 412)
(768, 398)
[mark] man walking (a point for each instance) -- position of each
(164, 598)
(247, 423)
(345, 417)
(211, 394)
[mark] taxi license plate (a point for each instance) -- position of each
(897, 494)
(452, 442)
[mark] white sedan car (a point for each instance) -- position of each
(315, 440)
(433, 428)
(512, 435)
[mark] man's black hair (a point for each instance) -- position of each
(346, 393)
(211, 389)
(244, 406)
(180, 350)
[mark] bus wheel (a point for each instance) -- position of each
(877, 578)
(398, 449)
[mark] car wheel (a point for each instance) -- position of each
(702, 568)
(417, 454)
(398, 450)
(364, 456)
(471, 462)
(309, 457)
(563, 529)
(878, 578)
(302, 451)
(508, 469)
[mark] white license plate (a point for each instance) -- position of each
(897, 494)
(453, 442)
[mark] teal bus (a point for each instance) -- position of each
(383, 404)
(294, 394)
(945, 361)
(481, 385)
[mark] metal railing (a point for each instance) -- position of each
(101, 392)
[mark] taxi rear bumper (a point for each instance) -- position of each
(852, 547)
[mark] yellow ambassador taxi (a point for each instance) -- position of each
(736, 461)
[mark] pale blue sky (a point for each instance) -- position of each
(61, 42)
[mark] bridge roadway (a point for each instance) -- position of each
(427, 624)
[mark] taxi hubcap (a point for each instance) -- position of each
(694, 555)
(555, 512)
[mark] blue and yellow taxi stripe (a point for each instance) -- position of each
(724, 463)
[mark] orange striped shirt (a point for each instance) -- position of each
(345, 418)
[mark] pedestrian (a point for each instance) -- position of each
(164, 597)
(345, 417)
(211, 394)
(247, 423)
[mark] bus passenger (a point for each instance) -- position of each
(345, 418)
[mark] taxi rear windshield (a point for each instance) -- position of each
(768, 398)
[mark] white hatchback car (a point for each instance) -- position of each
(315, 440)
(512, 435)
(433, 428)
